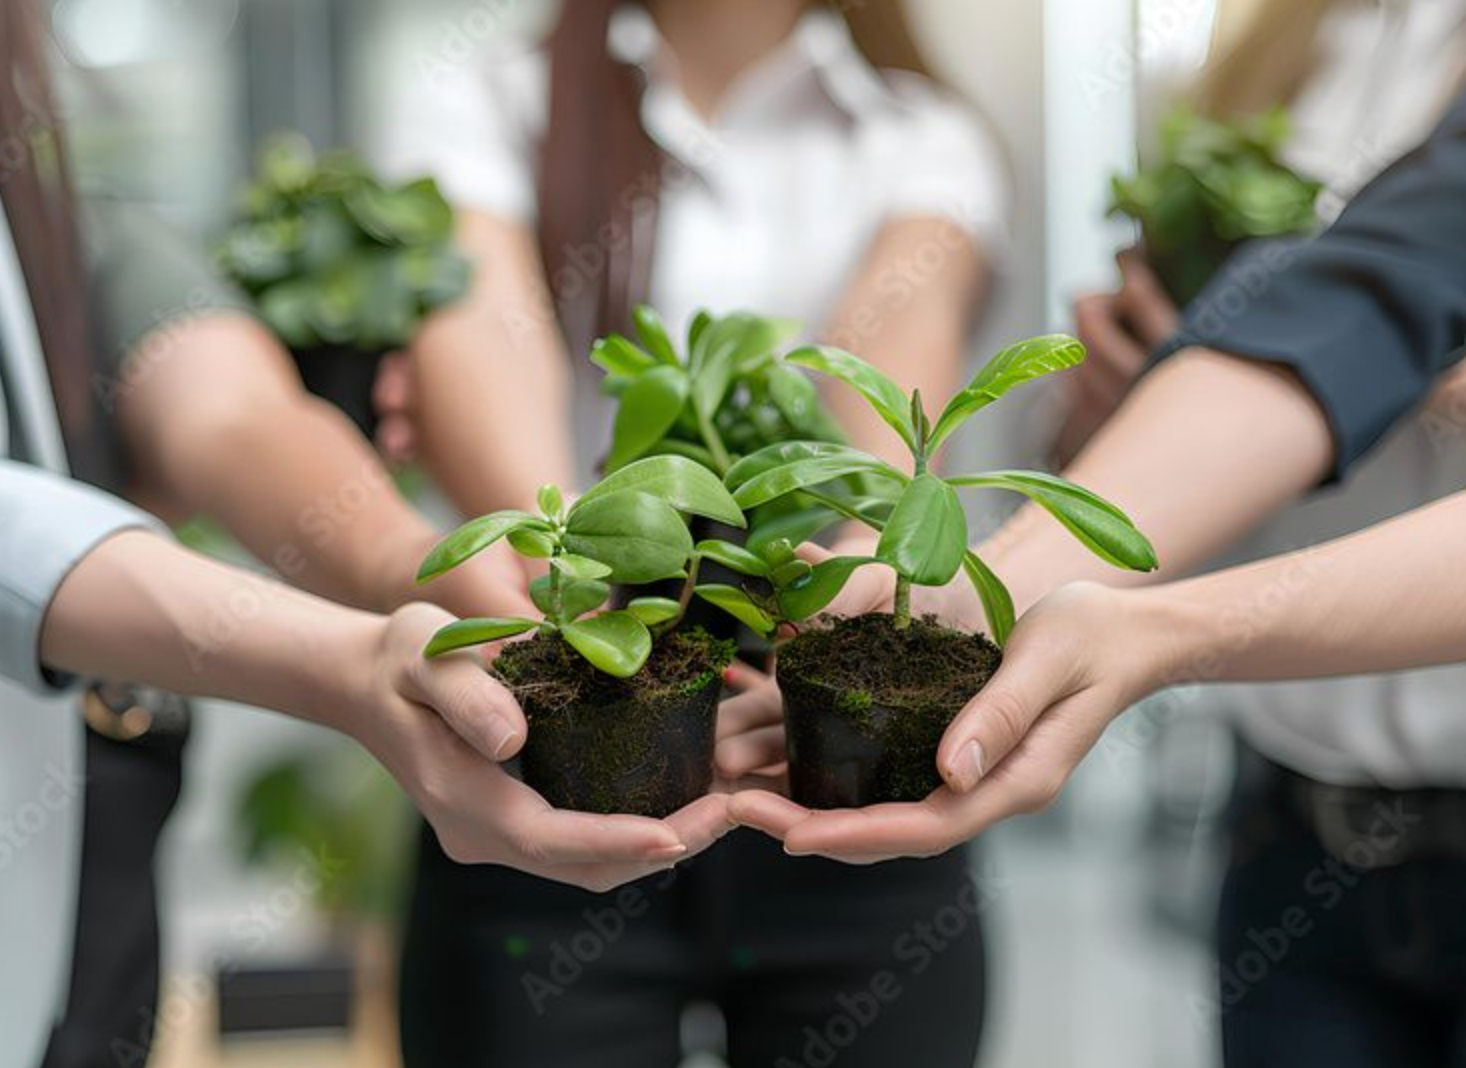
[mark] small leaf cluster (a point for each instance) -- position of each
(630, 528)
(922, 525)
(331, 255)
(725, 395)
(1214, 184)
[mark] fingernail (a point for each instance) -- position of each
(503, 736)
(967, 769)
(668, 852)
(795, 852)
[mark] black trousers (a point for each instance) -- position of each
(812, 963)
(1326, 963)
(112, 1002)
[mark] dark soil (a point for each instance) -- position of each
(865, 706)
(642, 745)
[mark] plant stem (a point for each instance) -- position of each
(685, 597)
(714, 441)
(902, 608)
(557, 598)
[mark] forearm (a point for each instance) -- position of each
(140, 608)
(1203, 450)
(221, 425)
(908, 311)
(493, 380)
(1390, 598)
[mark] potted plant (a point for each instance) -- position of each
(621, 704)
(866, 699)
(1213, 186)
(342, 267)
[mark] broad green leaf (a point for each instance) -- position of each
(1012, 367)
(926, 536)
(579, 567)
(653, 334)
(466, 632)
(654, 610)
(474, 537)
(695, 329)
(813, 594)
(887, 398)
(738, 605)
(794, 395)
(997, 602)
(733, 556)
(641, 537)
(688, 451)
(648, 409)
(536, 544)
(614, 642)
(617, 356)
(796, 526)
(783, 453)
(684, 484)
(577, 597)
(1104, 529)
(781, 481)
(550, 500)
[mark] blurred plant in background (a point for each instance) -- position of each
(1214, 185)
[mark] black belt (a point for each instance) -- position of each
(1369, 827)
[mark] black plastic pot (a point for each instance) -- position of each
(624, 756)
(343, 375)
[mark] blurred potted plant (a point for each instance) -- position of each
(1213, 186)
(342, 267)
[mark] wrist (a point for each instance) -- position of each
(1175, 637)
(340, 685)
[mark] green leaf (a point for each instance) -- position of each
(790, 573)
(684, 484)
(654, 610)
(733, 556)
(642, 538)
(648, 409)
(997, 602)
(794, 395)
(926, 536)
(1012, 367)
(579, 567)
(615, 642)
(813, 594)
(887, 398)
(535, 544)
(780, 481)
(577, 597)
(1104, 529)
(738, 605)
(466, 632)
(617, 356)
(653, 334)
(550, 500)
(796, 526)
(472, 538)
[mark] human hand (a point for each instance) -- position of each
(1075, 661)
(441, 726)
(750, 751)
(394, 396)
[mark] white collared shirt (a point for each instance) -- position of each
(769, 207)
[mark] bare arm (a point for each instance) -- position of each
(493, 379)
(217, 422)
(907, 310)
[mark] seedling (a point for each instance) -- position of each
(923, 529)
(1215, 184)
(629, 528)
(729, 395)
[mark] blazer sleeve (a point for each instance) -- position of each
(47, 526)
(1370, 312)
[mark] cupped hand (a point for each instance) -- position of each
(1071, 666)
(441, 726)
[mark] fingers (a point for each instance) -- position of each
(1115, 356)
(1143, 302)
(701, 823)
(743, 677)
(992, 724)
(392, 390)
(475, 705)
(755, 751)
(767, 812)
(545, 837)
(751, 730)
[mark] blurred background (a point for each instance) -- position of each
(1100, 907)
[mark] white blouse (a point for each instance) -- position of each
(768, 208)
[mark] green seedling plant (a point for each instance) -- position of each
(922, 525)
(1214, 184)
(727, 394)
(630, 528)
